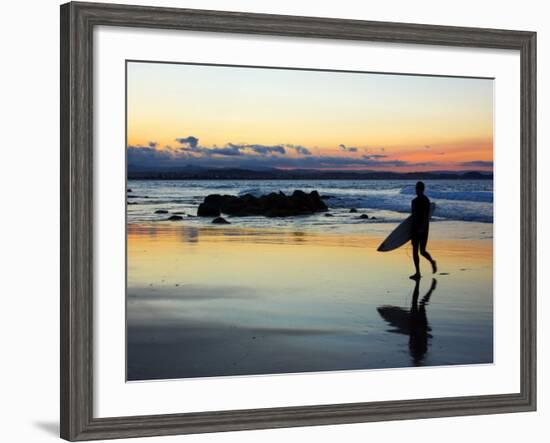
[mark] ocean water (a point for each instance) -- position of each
(387, 200)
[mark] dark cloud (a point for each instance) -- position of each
(191, 145)
(230, 151)
(389, 163)
(259, 149)
(144, 156)
(190, 152)
(302, 150)
(225, 151)
(374, 156)
(347, 148)
(220, 157)
(351, 162)
(477, 164)
(190, 141)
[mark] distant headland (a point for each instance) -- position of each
(197, 173)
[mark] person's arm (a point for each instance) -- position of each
(427, 215)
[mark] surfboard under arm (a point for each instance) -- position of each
(400, 235)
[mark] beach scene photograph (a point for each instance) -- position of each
(296, 220)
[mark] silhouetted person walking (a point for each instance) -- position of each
(420, 207)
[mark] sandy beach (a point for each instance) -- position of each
(228, 300)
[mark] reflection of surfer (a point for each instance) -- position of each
(419, 327)
(420, 227)
(412, 322)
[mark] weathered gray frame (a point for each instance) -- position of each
(77, 24)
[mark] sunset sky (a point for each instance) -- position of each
(215, 116)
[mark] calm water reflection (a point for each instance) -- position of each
(412, 322)
(226, 301)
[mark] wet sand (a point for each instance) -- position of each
(219, 301)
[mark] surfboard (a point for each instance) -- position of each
(400, 235)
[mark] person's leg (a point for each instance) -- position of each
(426, 254)
(416, 258)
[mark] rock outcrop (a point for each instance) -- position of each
(270, 205)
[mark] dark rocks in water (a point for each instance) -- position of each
(373, 218)
(209, 208)
(364, 216)
(312, 193)
(128, 190)
(353, 210)
(131, 203)
(175, 217)
(270, 205)
(161, 211)
(220, 221)
(326, 197)
(328, 214)
(179, 213)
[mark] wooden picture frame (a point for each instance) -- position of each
(77, 23)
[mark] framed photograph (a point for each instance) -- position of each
(272, 221)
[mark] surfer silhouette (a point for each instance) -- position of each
(420, 211)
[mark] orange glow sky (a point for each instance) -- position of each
(251, 117)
